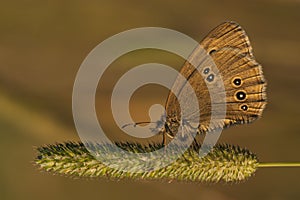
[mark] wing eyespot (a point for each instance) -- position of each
(240, 95)
(210, 78)
(212, 51)
(206, 70)
(244, 107)
(237, 82)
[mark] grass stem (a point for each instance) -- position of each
(279, 164)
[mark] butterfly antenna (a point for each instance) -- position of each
(137, 123)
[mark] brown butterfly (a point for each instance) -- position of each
(244, 83)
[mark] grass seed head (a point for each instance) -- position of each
(226, 163)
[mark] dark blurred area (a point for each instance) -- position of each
(43, 43)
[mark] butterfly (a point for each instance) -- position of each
(245, 87)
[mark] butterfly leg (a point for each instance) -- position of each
(165, 135)
(164, 142)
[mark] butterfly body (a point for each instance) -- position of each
(224, 56)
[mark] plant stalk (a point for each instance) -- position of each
(279, 164)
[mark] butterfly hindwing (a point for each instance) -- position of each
(227, 52)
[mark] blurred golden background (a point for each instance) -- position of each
(43, 43)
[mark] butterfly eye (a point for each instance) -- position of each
(244, 107)
(206, 70)
(237, 82)
(241, 95)
(210, 77)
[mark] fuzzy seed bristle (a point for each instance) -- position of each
(226, 163)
